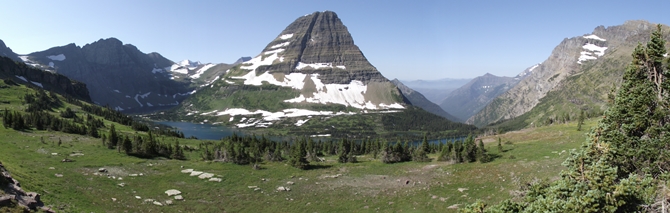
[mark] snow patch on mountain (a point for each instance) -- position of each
(211, 82)
(22, 78)
(351, 94)
(261, 61)
(286, 36)
(37, 84)
(293, 80)
(269, 117)
(145, 95)
(27, 61)
(280, 45)
(301, 122)
(594, 37)
(157, 70)
(202, 71)
(189, 64)
(59, 57)
(591, 52)
(51, 64)
(183, 94)
(178, 69)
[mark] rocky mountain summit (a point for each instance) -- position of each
(601, 54)
(476, 94)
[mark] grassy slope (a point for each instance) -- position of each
(368, 184)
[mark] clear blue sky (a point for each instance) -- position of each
(404, 39)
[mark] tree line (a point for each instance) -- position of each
(303, 152)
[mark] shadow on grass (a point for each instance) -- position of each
(313, 167)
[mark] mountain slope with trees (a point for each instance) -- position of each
(603, 52)
(625, 158)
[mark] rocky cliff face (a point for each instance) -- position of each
(118, 75)
(570, 58)
(476, 94)
(7, 52)
(28, 75)
(417, 99)
(321, 44)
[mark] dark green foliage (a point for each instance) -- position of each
(113, 138)
(500, 147)
(482, 154)
(458, 151)
(421, 153)
(298, 153)
(346, 152)
(580, 122)
(470, 154)
(413, 118)
(68, 113)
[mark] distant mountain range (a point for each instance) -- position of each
(435, 90)
(476, 94)
(417, 99)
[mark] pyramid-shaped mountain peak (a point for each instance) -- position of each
(317, 43)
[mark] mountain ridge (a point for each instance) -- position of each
(417, 99)
(570, 59)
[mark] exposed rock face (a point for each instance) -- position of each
(568, 59)
(14, 192)
(118, 75)
(417, 99)
(17, 72)
(476, 94)
(7, 52)
(322, 38)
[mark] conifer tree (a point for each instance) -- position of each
(483, 154)
(500, 147)
(113, 137)
(470, 149)
(580, 122)
(298, 154)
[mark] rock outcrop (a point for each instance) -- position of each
(13, 193)
(28, 75)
